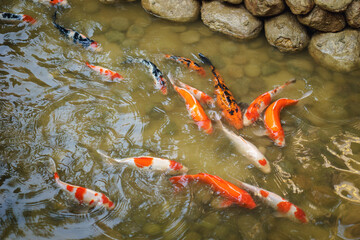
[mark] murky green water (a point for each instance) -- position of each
(54, 107)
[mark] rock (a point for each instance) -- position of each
(322, 20)
(233, 1)
(115, 1)
(353, 14)
(91, 7)
(190, 37)
(115, 36)
(349, 214)
(323, 196)
(119, 23)
(337, 51)
(228, 48)
(333, 5)
(264, 8)
(352, 232)
(300, 6)
(300, 67)
(270, 67)
(173, 10)
(252, 70)
(135, 31)
(152, 229)
(286, 33)
(234, 21)
(192, 236)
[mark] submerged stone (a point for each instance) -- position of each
(190, 37)
(152, 229)
(119, 23)
(333, 5)
(300, 6)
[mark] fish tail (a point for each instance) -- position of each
(54, 171)
(205, 59)
(171, 79)
(308, 93)
(290, 81)
(54, 17)
(87, 64)
(179, 182)
(105, 156)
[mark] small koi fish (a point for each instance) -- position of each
(272, 118)
(224, 98)
(12, 17)
(55, 2)
(114, 76)
(231, 193)
(283, 207)
(194, 108)
(187, 62)
(83, 195)
(77, 37)
(170, 167)
(260, 103)
(199, 95)
(247, 149)
(160, 81)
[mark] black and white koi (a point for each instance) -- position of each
(12, 17)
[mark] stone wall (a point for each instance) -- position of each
(329, 29)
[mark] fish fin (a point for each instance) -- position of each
(108, 158)
(260, 132)
(171, 79)
(278, 214)
(226, 203)
(291, 81)
(306, 94)
(205, 60)
(52, 165)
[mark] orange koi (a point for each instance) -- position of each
(194, 108)
(199, 95)
(187, 62)
(260, 103)
(114, 76)
(55, 2)
(232, 193)
(224, 98)
(11, 17)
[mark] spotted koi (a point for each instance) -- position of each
(12, 17)
(283, 207)
(260, 103)
(77, 37)
(169, 167)
(114, 76)
(194, 108)
(199, 95)
(247, 149)
(231, 193)
(83, 195)
(224, 98)
(187, 62)
(160, 81)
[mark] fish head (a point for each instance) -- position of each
(106, 202)
(280, 141)
(95, 46)
(264, 165)
(206, 126)
(177, 168)
(28, 19)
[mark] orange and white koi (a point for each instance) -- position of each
(199, 95)
(63, 3)
(12, 17)
(83, 195)
(224, 98)
(283, 207)
(231, 193)
(261, 102)
(160, 81)
(247, 149)
(77, 37)
(194, 108)
(169, 167)
(187, 62)
(114, 76)
(272, 118)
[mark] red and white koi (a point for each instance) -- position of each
(194, 108)
(283, 207)
(12, 17)
(187, 62)
(114, 76)
(160, 81)
(260, 103)
(62, 3)
(231, 193)
(169, 167)
(199, 95)
(272, 118)
(246, 149)
(77, 37)
(83, 195)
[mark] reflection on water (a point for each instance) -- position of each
(54, 107)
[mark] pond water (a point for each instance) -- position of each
(54, 107)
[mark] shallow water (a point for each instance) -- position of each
(54, 107)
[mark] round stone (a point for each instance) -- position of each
(119, 23)
(114, 36)
(252, 70)
(228, 48)
(135, 31)
(190, 37)
(152, 229)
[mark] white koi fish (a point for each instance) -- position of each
(55, 3)
(170, 167)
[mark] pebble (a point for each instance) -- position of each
(178, 29)
(152, 229)
(115, 36)
(323, 73)
(228, 48)
(143, 21)
(135, 31)
(250, 227)
(204, 31)
(352, 232)
(270, 67)
(234, 71)
(91, 7)
(210, 221)
(349, 214)
(252, 70)
(256, 43)
(323, 196)
(192, 236)
(240, 59)
(300, 67)
(190, 37)
(119, 23)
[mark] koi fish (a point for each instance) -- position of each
(12, 17)
(194, 108)
(272, 118)
(283, 207)
(77, 37)
(114, 76)
(231, 193)
(247, 149)
(187, 62)
(199, 95)
(160, 81)
(55, 2)
(170, 167)
(224, 98)
(261, 102)
(83, 195)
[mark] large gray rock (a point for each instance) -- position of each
(233, 1)
(322, 20)
(300, 6)
(265, 7)
(173, 10)
(353, 14)
(333, 5)
(337, 51)
(286, 33)
(235, 21)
